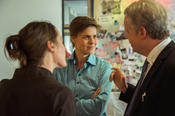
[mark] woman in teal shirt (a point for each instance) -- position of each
(86, 74)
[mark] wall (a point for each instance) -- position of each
(15, 14)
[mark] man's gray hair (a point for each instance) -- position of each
(151, 15)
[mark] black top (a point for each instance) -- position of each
(33, 91)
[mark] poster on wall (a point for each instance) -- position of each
(112, 44)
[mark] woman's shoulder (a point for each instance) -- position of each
(65, 101)
(63, 89)
(4, 87)
(4, 82)
(103, 62)
(64, 94)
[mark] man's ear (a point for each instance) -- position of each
(50, 46)
(142, 32)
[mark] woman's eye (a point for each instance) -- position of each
(85, 37)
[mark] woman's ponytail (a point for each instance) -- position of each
(14, 50)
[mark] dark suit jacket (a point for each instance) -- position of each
(33, 91)
(159, 87)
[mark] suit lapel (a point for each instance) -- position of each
(156, 65)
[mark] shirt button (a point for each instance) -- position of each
(78, 82)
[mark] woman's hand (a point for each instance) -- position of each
(96, 93)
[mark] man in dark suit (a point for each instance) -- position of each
(146, 26)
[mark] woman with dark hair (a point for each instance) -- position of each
(33, 91)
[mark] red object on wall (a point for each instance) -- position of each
(67, 54)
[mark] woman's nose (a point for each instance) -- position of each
(92, 40)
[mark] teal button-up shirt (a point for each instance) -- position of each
(84, 83)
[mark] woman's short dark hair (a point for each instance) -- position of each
(80, 23)
(30, 44)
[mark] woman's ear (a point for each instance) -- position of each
(72, 38)
(50, 46)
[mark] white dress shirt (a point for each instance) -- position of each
(152, 56)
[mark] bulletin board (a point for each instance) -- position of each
(112, 45)
(170, 6)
